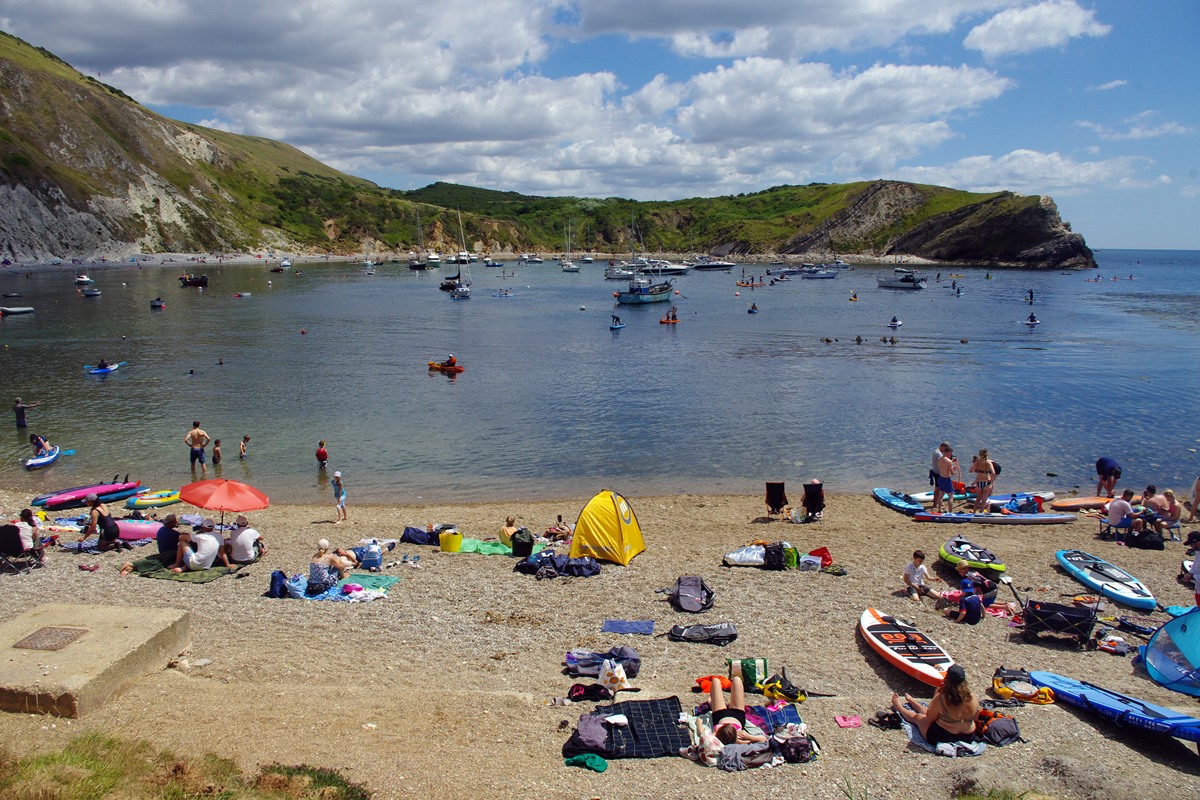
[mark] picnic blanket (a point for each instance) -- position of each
(159, 566)
(490, 548)
(653, 731)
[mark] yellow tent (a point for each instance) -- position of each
(607, 530)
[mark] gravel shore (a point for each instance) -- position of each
(441, 690)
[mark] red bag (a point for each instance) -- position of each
(824, 554)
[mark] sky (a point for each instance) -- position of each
(1094, 104)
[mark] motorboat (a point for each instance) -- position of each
(618, 272)
(644, 289)
(658, 266)
(191, 279)
(90, 292)
(531, 258)
(568, 266)
(12, 311)
(902, 278)
(82, 280)
(707, 262)
(817, 273)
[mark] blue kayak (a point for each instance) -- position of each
(898, 501)
(106, 370)
(1107, 579)
(37, 462)
(1119, 708)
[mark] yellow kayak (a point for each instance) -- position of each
(153, 499)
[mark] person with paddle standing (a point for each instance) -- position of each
(197, 440)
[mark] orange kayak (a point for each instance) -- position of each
(443, 368)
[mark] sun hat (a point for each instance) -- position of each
(241, 521)
(208, 524)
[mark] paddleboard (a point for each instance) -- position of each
(961, 548)
(153, 499)
(994, 518)
(616, 327)
(106, 370)
(997, 500)
(107, 492)
(443, 368)
(1108, 579)
(1084, 503)
(904, 647)
(898, 501)
(1034, 323)
(896, 324)
(752, 310)
(37, 462)
(41, 499)
(1120, 708)
(927, 497)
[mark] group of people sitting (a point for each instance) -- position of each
(1146, 523)
(975, 592)
(203, 546)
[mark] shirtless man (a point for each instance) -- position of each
(933, 475)
(197, 439)
(947, 466)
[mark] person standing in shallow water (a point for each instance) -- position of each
(322, 455)
(197, 440)
(19, 409)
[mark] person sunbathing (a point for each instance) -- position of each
(950, 716)
(326, 568)
(729, 721)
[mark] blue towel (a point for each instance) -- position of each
(642, 627)
(948, 749)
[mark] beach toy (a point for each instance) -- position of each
(450, 541)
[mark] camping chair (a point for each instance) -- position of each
(776, 498)
(813, 501)
(12, 550)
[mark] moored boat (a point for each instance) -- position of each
(902, 278)
(644, 289)
(192, 279)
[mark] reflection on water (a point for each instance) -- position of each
(553, 403)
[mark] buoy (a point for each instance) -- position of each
(615, 294)
(583, 308)
(737, 294)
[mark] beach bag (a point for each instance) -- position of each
(752, 670)
(1146, 540)
(996, 467)
(278, 584)
(720, 634)
(581, 567)
(690, 593)
(995, 727)
(585, 663)
(797, 749)
(522, 543)
(773, 556)
(418, 536)
(778, 687)
(612, 676)
(791, 557)
(824, 554)
(752, 555)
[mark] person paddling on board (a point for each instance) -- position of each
(1033, 318)
(895, 321)
(450, 362)
(754, 306)
(616, 320)
(102, 364)
(41, 447)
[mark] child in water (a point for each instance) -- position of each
(216, 458)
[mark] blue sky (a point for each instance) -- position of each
(1090, 103)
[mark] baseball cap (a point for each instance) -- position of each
(337, 473)
(91, 498)
(967, 586)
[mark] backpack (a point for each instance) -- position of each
(690, 593)
(996, 466)
(278, 588)
(994, 727)
(1024, 504)
(774, 558)
(720, 634)
(778, 687)
(1146, 540)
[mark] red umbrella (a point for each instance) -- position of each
(222, 494)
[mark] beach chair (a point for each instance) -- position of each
(1117, 532)
(776, 498)
(14, 555)
(813, 501)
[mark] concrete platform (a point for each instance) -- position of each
(67, 660)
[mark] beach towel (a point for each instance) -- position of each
(374, 587)
(948, 749)
(642, 627)
(769, 718)
(490, 548)
(653, 731)
(159, 566)
(90, 545)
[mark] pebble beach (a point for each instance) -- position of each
(443, 689)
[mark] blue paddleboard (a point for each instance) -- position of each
(898, 501)
(1119, 708)
(1108, 579)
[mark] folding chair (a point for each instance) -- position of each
(813, 501)
(1118, 532)
(12, 550)
(776, 498)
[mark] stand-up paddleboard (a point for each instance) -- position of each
(997, 500)
(898, 501)
(37, 462)
(993, 518)
(616, 326)
(896, 324)
(1084, 503)
(961, 548)
(1119, 708)
(927, 497)
(106, 492)
(904, 647)
(153, 499)
(1108, 579)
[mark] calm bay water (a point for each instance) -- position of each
(554, 404)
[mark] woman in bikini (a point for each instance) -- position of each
(950, 715)
(985, 477)
(729, 721)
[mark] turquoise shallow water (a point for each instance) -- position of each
(553, 404)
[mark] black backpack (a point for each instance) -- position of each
(773, 558)
(690, 593)
(996, 728)
(720, 634)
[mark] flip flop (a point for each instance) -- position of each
(850, 721)
(89, 567)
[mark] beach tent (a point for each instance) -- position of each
(607, 530)
(1173, 655)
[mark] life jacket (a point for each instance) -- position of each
(1016, 683)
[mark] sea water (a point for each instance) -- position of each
(554, 404)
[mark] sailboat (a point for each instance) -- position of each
(417, 260)
(462, 288)
(565, 263)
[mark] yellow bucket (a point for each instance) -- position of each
(451, 541)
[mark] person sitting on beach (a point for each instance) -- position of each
(29, 528)
(1193, 507)
(915, 575)
(950, 716)
(326, 568)
(244, 545)
(729, 721)
(1109, 472)
(200, 549)
(1172, 512)
(506, 532)
(559, 530)
(1120, 513)
(41, 447)
(101, 524)
(167, 537)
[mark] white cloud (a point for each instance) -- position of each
(1138, 126)
(1029, 28)
(1031, 172)
(1105, 87)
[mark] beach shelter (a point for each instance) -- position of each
(607, 530)
(1173, 654)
